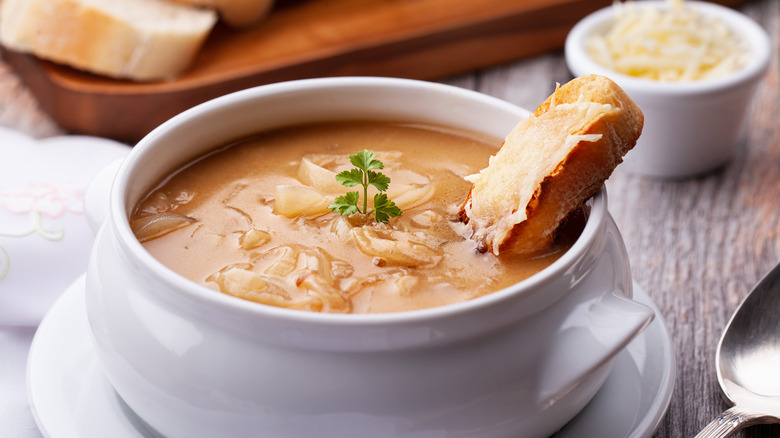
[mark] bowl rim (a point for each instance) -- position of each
(580, 63)
(119, 223)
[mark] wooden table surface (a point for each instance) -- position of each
(696, 245)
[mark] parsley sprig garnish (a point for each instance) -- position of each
(364, 174)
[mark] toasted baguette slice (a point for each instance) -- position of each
(236, 13)
(550, 164)
(131, 39)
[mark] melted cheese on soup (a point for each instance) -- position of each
(252, 220)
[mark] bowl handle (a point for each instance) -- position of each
(98, 193)
(591, 338)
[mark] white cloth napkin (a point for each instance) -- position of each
(44, 239)
(45, 243)
(16, 419)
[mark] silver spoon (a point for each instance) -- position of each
(748, 361)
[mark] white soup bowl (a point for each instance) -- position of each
(691, 127)
(192, 362)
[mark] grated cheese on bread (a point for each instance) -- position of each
(550, 164)
(141, 40)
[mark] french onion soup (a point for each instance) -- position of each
(374, 217)
(258, 219)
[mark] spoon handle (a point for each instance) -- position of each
(734, 419)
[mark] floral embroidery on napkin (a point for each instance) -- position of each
(51, 200)
(38, 200)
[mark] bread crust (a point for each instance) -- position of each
(577, 177)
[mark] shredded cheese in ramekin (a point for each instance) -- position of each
(668, 44)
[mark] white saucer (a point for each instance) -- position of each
(71, 398)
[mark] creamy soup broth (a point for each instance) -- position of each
(252, 220)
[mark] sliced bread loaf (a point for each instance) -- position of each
(141, 40)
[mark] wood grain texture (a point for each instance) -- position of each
(699, 245)
(421, 39)
(696, 246)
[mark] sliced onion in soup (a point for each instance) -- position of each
(153, 226)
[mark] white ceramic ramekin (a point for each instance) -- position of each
(690, 127)
(192, 362)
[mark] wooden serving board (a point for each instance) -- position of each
(422, 39)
